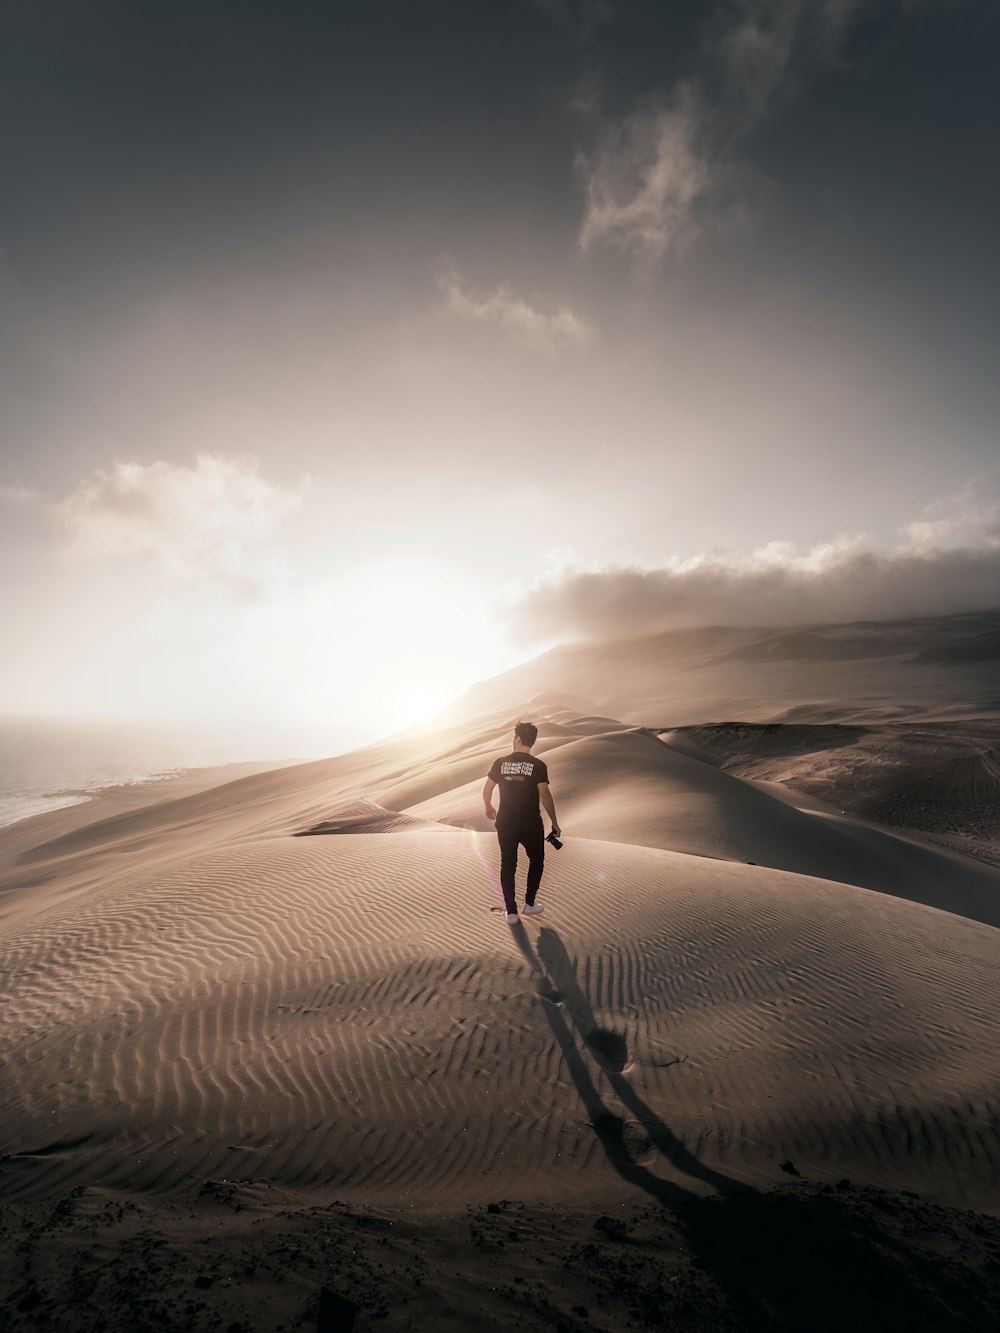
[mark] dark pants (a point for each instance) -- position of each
(531, 835)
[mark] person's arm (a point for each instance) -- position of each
(488, 789)
(550, 806)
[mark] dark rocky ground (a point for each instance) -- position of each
(241, 1259)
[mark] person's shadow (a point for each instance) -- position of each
(569, 1015)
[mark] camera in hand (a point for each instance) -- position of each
(554, 841)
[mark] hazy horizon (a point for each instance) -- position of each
(347, 359)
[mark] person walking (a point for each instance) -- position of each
(523, 780)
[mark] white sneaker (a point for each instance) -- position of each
(533, 910)
(512, 918)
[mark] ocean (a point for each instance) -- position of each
(45, 764)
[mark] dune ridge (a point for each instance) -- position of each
(315, 1011)
(864, 671)
(297, 992)
(940, 780)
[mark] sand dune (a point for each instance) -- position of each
(860, 672)
(199, 998)
(633, 787)
(348, 1012)
(939, 779)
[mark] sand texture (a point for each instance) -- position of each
(742, 1002)
(940, 780)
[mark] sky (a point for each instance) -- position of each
(351, 353)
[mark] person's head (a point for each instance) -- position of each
(525, 734)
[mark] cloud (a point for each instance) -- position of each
(209, 523)
(646, 179)
(522, 322)
(934, 571)
(654, 175)
(970, 517)
(758, 51)
(18, 495)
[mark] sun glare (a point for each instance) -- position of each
(410, 637)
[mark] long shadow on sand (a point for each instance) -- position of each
(802, 1256)
(560, 993)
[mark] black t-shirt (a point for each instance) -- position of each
(518, 775)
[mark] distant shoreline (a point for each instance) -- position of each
(45, 804)
(173, 783)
